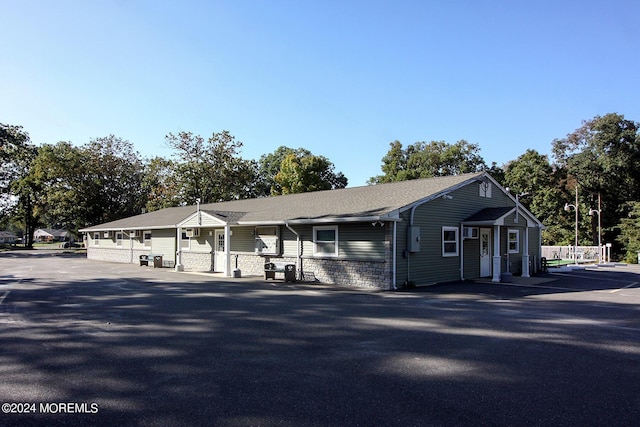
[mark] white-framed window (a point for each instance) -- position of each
(119, 237)
(96, 239)
(185, 243)
(325, 241)
(146, 238)
(513, 241)
(267, 240)
(450, 241)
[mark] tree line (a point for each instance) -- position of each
(66, 186)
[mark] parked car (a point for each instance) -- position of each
(66, 245)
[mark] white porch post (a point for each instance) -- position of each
(525, 253)
(227, 250)
(179, 266)
(497, 258)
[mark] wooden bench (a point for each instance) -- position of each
(271, 268)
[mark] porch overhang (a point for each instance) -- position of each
(489, 216)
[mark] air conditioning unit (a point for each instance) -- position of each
(470, 232)
(107, 234)
(193, 232)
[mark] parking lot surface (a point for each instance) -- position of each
(93, 343)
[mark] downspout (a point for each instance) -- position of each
(395, 254)
(411, 217)
(461, 252)
(298, 250)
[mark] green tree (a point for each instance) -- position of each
(604, 156)
(211, 170)
(269, 166)
(630, 232)
(18, 191)
(427, 160)
(160, 184)
(115, 168)
(533, 177)
(60, 170)
(302, 172)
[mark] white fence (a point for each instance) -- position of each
(584, 253)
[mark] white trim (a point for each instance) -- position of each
(456, 231)
(335, 241)
(517, 241)
(119, 241)
(199, 214)
(144, 241)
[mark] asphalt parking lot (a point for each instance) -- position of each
(92, 343)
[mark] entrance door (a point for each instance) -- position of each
(485, 252)
(220, 256)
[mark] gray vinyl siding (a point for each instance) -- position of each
(429, 266)
(471, 258)
(401, 252)
(243, 239)
(357, 241)
(163, 242)
(361, 242)
(534, 248)
(289, 240)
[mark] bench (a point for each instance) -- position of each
(271, 268)
(155, 258)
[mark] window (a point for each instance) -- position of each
(267, 240)
(119, 239)
(485, 189)
(147, 239)
(514, 241)
(450, 241)
(96, 239)
(184, 241)
(325, 241)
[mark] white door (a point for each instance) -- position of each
(485, 252)
(219, 254)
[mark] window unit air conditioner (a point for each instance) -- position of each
(193, 232)
(470, 232)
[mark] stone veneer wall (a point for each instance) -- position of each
(350, 273)
(113, 255)
(121, 255)
(197, 261)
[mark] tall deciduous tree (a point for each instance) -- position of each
(427, 160)
(534, 179)
(302, 172)
(160, 184)
(211, 170)
(604, 157)
(61, 171)
(18, 191)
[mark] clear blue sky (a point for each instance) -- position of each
(340, 78)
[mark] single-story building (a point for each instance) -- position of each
(8, 237)
(385, 236)
(50, 235)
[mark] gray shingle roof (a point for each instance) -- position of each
(489, 214)
(382, 200)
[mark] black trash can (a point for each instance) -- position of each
(290, 273)
(157, 261)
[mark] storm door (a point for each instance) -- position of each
(485, 252)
